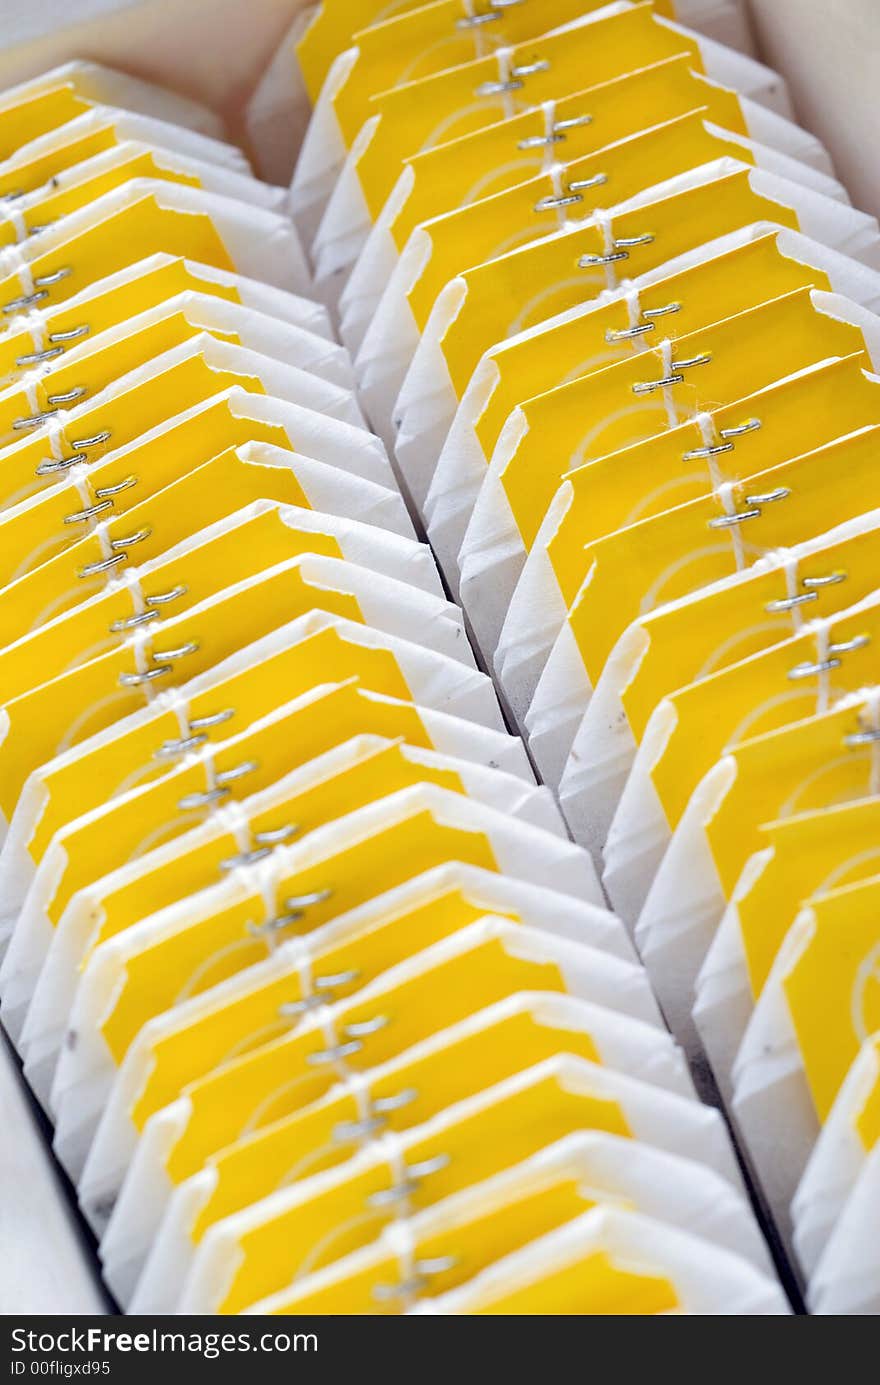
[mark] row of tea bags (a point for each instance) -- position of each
(315, 982)
(618, 325)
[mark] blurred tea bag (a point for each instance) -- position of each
(614, 1262)
(445, 1246)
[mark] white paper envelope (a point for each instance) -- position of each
(847, 1278)
(779, 1092)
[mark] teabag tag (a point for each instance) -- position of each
(427, 816)
(672, 644)
(55, 97)
(487, 304)
(46, 334)
(210, 492)
(615, 1261)
(244, 686)
(452, 175)
(230, 835)
(696, 543)
(714, 281)
(172, 804)
(424, 113)
(101, 360)
(238, 546)
(803, 855)
(74, 188)
(463, 1058)
(808, 326)
(812, 763)
(738, 703)
(591, 503)
(653, 849)
(308, 445)
(470, 1140)
(90, 697)
(101, 128)
(341, 957)
(144, 216)
(446, 245)
(218, 773)
(596, 416)
(124, 414)
(846, 1146)
(533, 1197)
(396, 49)
(791, 1064)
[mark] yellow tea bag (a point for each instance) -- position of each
(170, 840)
(55, 97)
(703, 540)
(807, 854)
(241, 546)
(443, 1248)
(393, 1096)
(199, 942)
(211, 492)
(563, 196)
(600, 414)
(174, 649)
(695, 637)
(464, 170)
(611, 1262)
(97, 130)
(486, 304)
(138, 219)
(338, 1211)
(46, 334)
(822, 760)
(836, 1183)
(223, 1100)
(71, 189)
(55, 517)
(718, 280)
(291, 659)
(48, 395)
